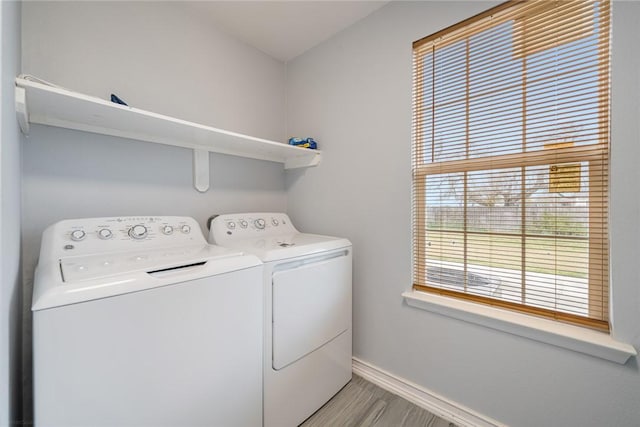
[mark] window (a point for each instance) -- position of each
(510, 160)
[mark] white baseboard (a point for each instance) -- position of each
(432, 402)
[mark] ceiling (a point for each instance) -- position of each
(285, 29)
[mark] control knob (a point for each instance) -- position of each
(243, 223)
(167, 230)
(185, 229)
(259, 223)
(274, 222)
(138, 232)
(105, 234)
(77, 235)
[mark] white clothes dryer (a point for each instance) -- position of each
(138, 321)
(307, 291)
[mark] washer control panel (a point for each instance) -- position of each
(97, 235)
(249, 225)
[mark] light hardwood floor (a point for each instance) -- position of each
(362, 404)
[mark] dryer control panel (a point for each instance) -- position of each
(250, 225)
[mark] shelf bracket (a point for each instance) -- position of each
(21, 109)
(201, 170)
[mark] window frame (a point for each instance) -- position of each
(597, 156)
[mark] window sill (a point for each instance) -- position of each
(571, 337)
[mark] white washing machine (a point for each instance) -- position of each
(138, 321)
(307, 290)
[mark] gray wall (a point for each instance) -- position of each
(356, 89)
(158, 56)
(10, 280)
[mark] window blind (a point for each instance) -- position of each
(510, 160)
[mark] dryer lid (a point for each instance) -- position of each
(292, 245)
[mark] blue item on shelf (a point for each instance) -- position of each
(303, 142)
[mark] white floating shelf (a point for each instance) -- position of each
(54, 106)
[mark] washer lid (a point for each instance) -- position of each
(291, 245)
(78, 279)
